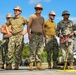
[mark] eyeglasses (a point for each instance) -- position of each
(38, 8)
(51, 15)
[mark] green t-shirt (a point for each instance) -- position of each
(17, 24)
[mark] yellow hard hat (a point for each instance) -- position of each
(52, 13)
(9, 15)
(18, 8)
(38, 6)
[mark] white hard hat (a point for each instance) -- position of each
(9, 15)
(18, 8)
(38, 6)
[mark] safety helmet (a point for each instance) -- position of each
(38, 6)
(9, 15)
(18, 8)
(65, 12)
(52, 13)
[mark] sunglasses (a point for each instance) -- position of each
(38, 8)
(65, 14)
(51, 15)
(16, 10)
(8, 17)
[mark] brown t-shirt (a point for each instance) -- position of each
(5, 35)
(36, 23)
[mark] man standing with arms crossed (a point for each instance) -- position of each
(17, 37)
(4, 45)
(35, 30)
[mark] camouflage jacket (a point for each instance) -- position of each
(65, 28)
(74, 28)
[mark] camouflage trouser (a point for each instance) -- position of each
(67, 50)
(74, 43)
(15, 49)
(3, 50)
(51, 47)
(36, 47)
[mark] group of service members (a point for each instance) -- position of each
(37, 28)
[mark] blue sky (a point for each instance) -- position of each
(6, 6)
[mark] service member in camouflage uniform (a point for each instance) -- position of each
(65, 28)
(4, 44)
(35, 35)
(74, 27)
(17, 37)
(51, 42)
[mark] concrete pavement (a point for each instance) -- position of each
(25, 71)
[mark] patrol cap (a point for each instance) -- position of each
(52, 13)
(38, 6)
(18, 8)
(65, 12)
(9, 15)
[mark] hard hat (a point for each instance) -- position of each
(18, 8)
(65, 12)
(38, 6)
(52, 13)
(9, 15)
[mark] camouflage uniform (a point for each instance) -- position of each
(51, 42)
(4, 45)
(16, 40)
(74, 27)
(4, 50)
(51, 48)
(36, 44)
(35, 31)
(36, 47)
(65, 28)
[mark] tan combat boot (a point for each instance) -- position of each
(55, 65)
(71, 65)
(31, 66)
(49, 65)
(8, 66)
(16, 66)
(1, 66)
(38, 67)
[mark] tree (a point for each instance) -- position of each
(25, 52)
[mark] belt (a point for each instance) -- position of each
(52, 36)
(16, 34)
(37, 33)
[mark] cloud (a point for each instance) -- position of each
(34, 1)
(73, 19)
(37, 1)
(47, 0)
